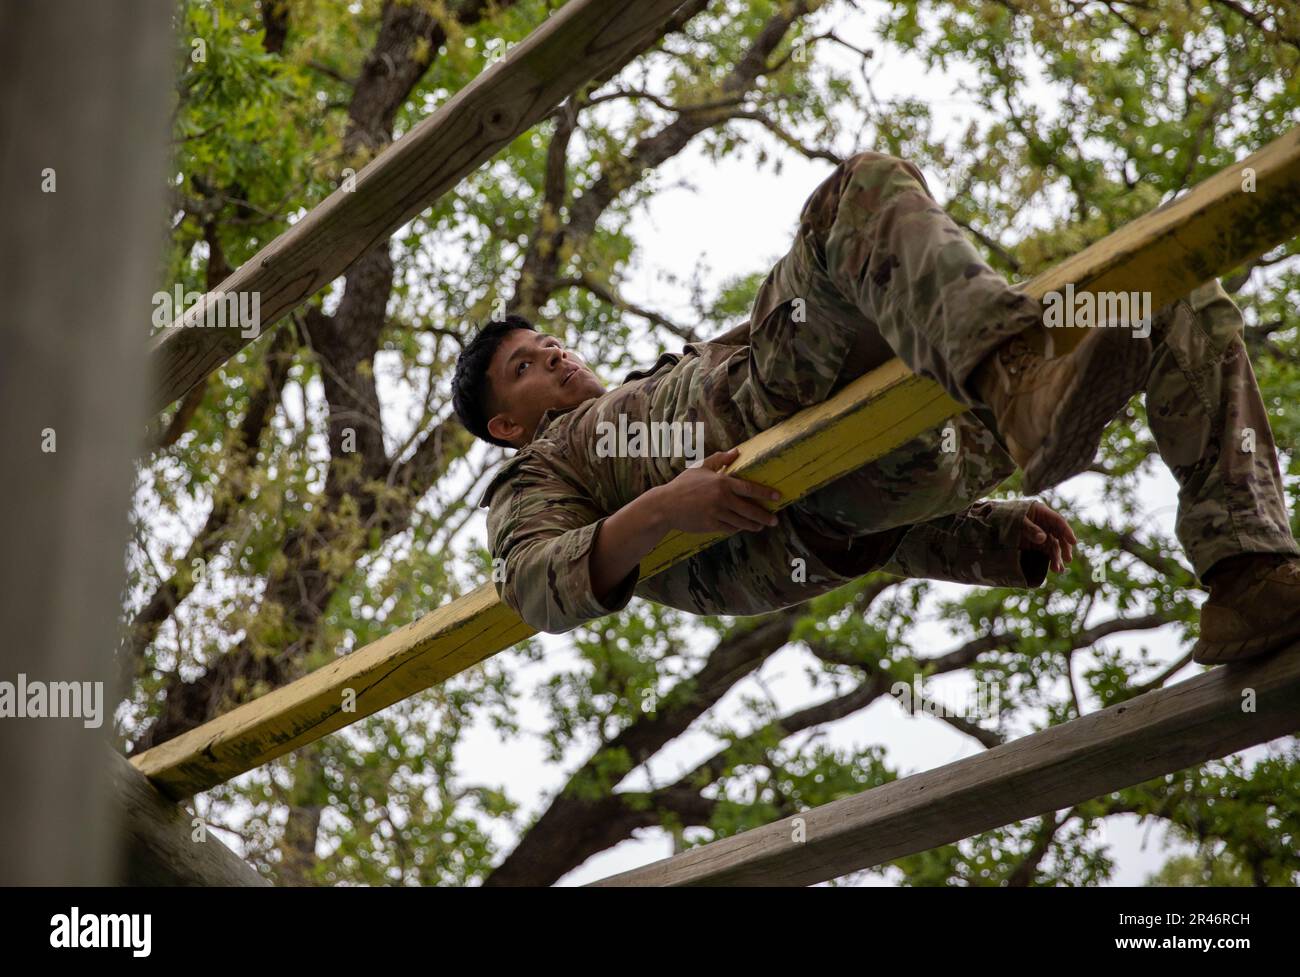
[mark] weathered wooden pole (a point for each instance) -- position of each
(84, 98)
(1160, 732)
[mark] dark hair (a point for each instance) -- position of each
(469, 385)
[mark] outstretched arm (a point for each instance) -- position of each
(699, 500)
(559, 561)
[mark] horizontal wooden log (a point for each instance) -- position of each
(865, 420)
(1221, 223)
(581, 40)
(1204, 718)
(158, 846)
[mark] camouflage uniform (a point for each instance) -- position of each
(1211, 428)
(877, 269)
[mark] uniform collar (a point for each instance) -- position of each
(508, 466)
(544, 422)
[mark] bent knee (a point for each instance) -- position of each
(881, 167)
(1207, 311)
(866, 179)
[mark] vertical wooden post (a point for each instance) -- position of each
(162, 844)
(85, 90)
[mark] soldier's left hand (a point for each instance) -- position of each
(1047, 532)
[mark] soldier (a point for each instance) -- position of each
(877, 270)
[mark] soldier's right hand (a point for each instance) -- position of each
(703, 500)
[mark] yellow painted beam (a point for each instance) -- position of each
(1177, 247)
(1221, 223)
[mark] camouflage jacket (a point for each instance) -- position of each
(547, 503)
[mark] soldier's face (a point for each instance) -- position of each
(530, 374)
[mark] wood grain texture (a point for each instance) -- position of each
(867, 419)
(417, 656)
(90, 118)
(1208, 231)
(582, 39)
(1160, 732)
(159, 840)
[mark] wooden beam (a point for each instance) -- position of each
(1160, 732)
(83, 173)
(158, 839)
(1221, 223)
(581, 40)
(865, 420)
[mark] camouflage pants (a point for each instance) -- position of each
(878, 270)
(1211, 428)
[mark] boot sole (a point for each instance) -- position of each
(1221, 652)
(1113, 367)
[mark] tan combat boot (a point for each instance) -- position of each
(1051, 412)
(1254, 609)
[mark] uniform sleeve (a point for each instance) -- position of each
(978, 546)
(541, 530)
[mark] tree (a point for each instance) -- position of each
(317, 492)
